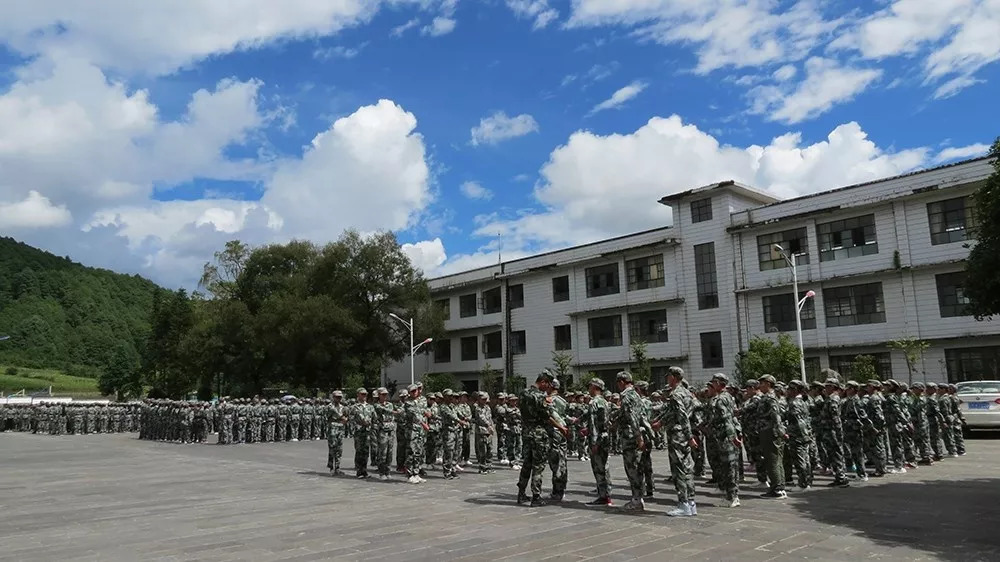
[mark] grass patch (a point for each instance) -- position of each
(33, 380)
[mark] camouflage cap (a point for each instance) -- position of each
(797, 384)
(918, 386)
(420, 384)
(338, 394)
(483, 394)
(382, 390)
(902, 385)
(890, 382)
(512, 397)
(932, 385)
(768, 379)
(447, 393)
(874, 383)
(599, 383)
(362, 390)
(402, 393)
(952, 387)
(816, 384)
(546, 375)
(607, 393)
(501, 395)
(412, 388)
(676, 372)
(854, 384)
(616, 395)
(751, 383)
(624, 376)
(462, 393)
(832, 381)
(642, 384)
(656, 394)
(721, 377)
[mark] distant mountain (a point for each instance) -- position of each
(65, 315)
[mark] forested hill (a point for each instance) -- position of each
(65, 315)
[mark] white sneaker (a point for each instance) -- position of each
(459, 468)
(413, 480)
(294, 439)
(682, 510)
(420, 480)
(504, 462)
(516, 466)
(782, 495)
(864, 478)
(694, 507)
(735, 502)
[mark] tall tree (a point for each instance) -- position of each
(982, 283)
(765, 356)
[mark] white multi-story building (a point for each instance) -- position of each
(885, 260)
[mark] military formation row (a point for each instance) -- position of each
(70, 418)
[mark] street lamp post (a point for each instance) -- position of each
(799, 303)
(413, 348)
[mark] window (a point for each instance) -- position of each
(515, 296)
(844, 364)
(467, 305)
(491, 301)
(856, 304)
(648, 327)
(518, 343)
(848, 238)
(645, 273)
(470, 348)
(704, 271)
(605, 331)
(442, 351)
(492, 345)
(951, 294)
(779, 313)
(701, 210)
(444, 305)
(951, 220)
(794, 242)
(711, 350)
(560, 288)
(973, 363)
(812, 368)
(563, 337)
(602, 280)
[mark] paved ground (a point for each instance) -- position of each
(113, 497)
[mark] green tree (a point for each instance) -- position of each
(122, 376)
(982, 285)
(436, 382)
(913, 351)
(516, 384)
(641, 368)
(562, 368)
(863, 369)
(489, 379)
(779, 359)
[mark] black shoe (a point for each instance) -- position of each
(556, 498)
(422, 473)
(537, 501)
(602, 502)
(522, 498)
(839, 484)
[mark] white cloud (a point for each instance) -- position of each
(399, 30)
(826, 84)
(439, 26)
(961, 152)
(592, 181)
(474, 190)
(785, 73)
(499, 127)
(35, 211)
(539, 11)
(339, 52)
(427, 255)
(620, 97)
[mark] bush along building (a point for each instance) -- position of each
(884, 259)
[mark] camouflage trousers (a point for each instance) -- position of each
(362, 447)
(798, 461)
(501, 444)
(239, 431)
(383, 450)
(557, 464)
(959, 438)
(294, 428)
(432, 447)
(226, 433)
(681, 468)
(631, 461)
(698, 455)
(415, 452)
(726, 469)
(935, 436)
(536, 454)
(400, 448)
(834, 449)
(464, 439)
(646, 467)
(334, 446)
(875, 450)
(513, 445)
(449, 444)
(599, 465)
(922, 442)
(948, 436)
(772, 448)
(854, 450)
(895, 450)
(755, 454)
(484, 451)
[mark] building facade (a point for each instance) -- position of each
(885, 260)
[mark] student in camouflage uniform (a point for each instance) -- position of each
(699, 455)
(416, 417)
(384, 427)
(959, 420)
(558, 443)
(832, 429)
(798, 425)
(771, 433)
(450, 427)
(948, 413)
(465, 431)
(633, 431)
(645, 455)
(935, 421)
(896, 425)
(482, 418)
(614, 419)
(337, 421)
(724, 430)
(432, 446)
(499, 417)
(856, 426)
(749, 420)
(874, 403)
(599, 440)
(921, 426)
(674, 418)
(536, 415)
(402, 431)
(361, 417)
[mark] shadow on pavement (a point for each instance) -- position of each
(952, 519)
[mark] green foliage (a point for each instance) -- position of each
(122, 377)
(897, 263)
(863, 369)
(764, 356)
(641, 368)
(436, 382)
(352, 383)
(562, 368)
(913, 350)
(490, 379)
(11, 371)
(982, 285)
(63, 315)
(516, 384)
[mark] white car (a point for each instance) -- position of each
(980, 403)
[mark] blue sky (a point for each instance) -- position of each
(143, 137)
